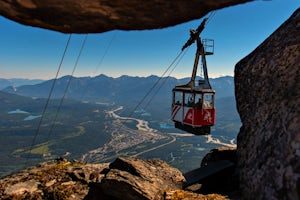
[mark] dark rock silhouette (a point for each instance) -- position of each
(226, 181)
(96, 16)
(267, 88)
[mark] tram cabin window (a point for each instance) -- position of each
(208, 101)
(189, 99)
(177, 98)
(198, 101)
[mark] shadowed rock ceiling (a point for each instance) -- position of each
(96, 16)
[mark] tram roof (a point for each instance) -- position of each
(193, 90)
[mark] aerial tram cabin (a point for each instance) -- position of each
(193, 108)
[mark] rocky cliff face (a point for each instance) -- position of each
(267, 84)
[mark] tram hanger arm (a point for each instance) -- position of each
(194, 34)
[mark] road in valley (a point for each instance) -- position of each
(125, 138)
(130, 142)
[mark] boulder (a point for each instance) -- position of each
(267, 89)
(132, 178)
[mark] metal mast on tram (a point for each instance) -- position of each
(195, 36)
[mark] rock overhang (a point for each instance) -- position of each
(96, 16)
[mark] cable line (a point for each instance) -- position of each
(101, 60)
(105, 52)
(48, 99)
(155, 84)
(165, 80)
(67, 87)
(210, 16)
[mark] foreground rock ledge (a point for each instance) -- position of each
(125, 178)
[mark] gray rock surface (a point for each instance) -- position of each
(125, 178)
(267, 89)
(132, 178)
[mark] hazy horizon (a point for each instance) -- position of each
(21, 78)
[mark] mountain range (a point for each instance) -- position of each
(124, 89)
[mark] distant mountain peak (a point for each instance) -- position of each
(102, 76)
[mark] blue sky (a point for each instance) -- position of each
(29, 52)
